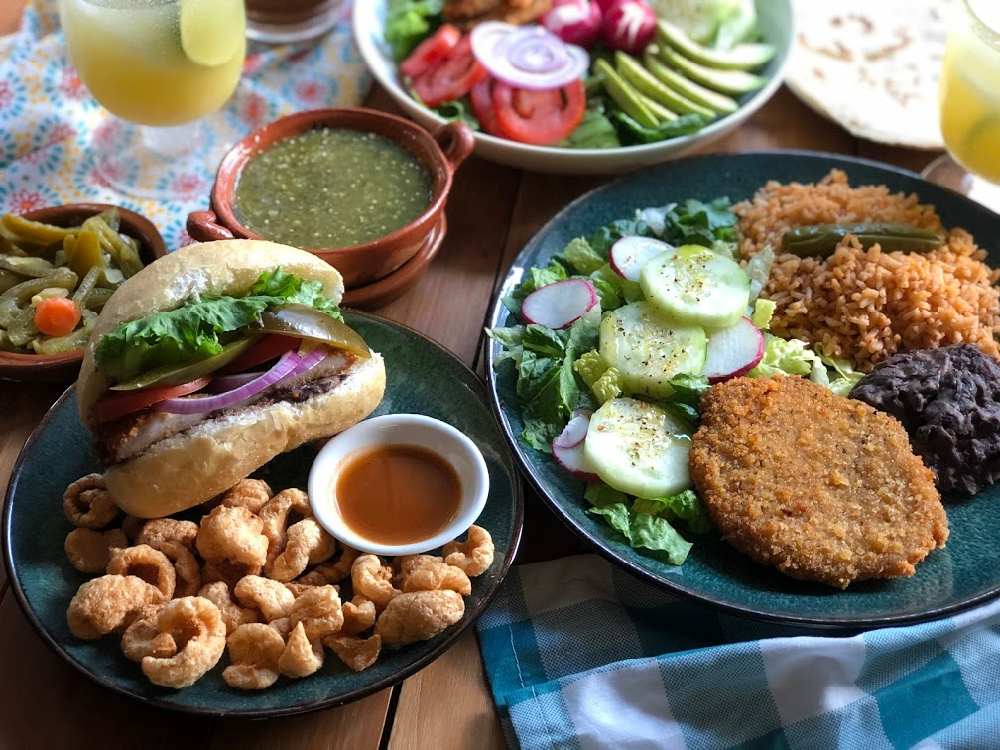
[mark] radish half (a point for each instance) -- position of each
(567, 447)
(561, 304)
(733, 351)
(574, 432)
(629, 254)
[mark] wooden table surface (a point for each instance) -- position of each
(492, 213)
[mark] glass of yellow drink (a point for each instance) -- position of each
(969, 98)
(160, 66)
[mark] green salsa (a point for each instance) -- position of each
(331, 188)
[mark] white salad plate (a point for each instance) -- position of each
(776, 20)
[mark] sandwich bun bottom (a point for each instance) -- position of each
(196, 465)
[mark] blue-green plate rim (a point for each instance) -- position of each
(498, 315)
(448, 638)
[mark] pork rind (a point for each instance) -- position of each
(232, 534)
(271, 598)
(89, 551)
(430, 574)
(229, 573)
(359, 615)
(373, 580)
(418, 616)
(281, 511)
(132, 526)
(474, 555)
(185, 566)
(233, 615)
(197, 628)
(254, 651)
(168, 530)
(143, 637)
(251, 494)
(332, 572)
(304, 541)
(301, 657)
(149, 564)
(109, 603)
(283, 626)
(356, 653)
(87, 503)
(318, 610)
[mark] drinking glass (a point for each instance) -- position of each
(291, 21)
(159, 67)
(969, 98)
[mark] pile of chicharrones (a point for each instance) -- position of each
(866, 305)
(259, 576)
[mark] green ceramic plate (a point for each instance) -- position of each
(965, 573)
(422, 378)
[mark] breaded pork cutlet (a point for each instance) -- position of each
(820, 486)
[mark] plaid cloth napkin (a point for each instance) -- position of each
(581, 655)
(48, 120)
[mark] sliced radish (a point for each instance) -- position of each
(588, 413)
(574, 432)
(733, 351)
(574, 21)
(561, 304)
(629, 26)
(575, 461)
(629, 254)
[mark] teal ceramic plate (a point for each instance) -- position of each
(422, 378)
(965, 573)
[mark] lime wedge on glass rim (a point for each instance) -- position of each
(212, 31)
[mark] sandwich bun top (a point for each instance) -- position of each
(226, 267)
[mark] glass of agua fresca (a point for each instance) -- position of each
(159, 67)
(969, 98)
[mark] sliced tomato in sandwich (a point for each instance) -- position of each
(116, 404)
(271, 347)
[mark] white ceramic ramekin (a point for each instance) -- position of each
(399, 429)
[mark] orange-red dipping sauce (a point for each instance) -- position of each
(397, 494)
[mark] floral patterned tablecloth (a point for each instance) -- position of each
(49, 122)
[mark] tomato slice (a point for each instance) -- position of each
(451, 77)
(539, 117)
(430, 51)
(117, 404)
(481, 96)
(272, 346)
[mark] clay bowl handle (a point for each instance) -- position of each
(203, 226)
(456, 140)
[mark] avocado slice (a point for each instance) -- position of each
(626, 97)
(648, 85)
(715, 101)
(659, 111)
(725, 81)
(740, 57)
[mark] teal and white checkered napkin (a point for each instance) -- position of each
(581, 655)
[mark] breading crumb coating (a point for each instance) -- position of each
(822, 487)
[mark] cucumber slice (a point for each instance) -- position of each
(696, 286)
(638, 448)
(649, 349)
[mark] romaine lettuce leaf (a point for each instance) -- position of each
(408, 23)
(200, 327)
(650, 534)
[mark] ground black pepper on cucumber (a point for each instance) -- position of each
(613, 343)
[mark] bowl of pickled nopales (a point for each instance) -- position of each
(58, 267)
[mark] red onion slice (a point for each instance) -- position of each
(528, 57)
(285, 366)
(309, 361)
(224, 383)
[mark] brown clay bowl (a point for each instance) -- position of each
(368, 262)
(380, 293)
(62, 368)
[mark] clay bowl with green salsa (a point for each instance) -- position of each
(361, 189)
